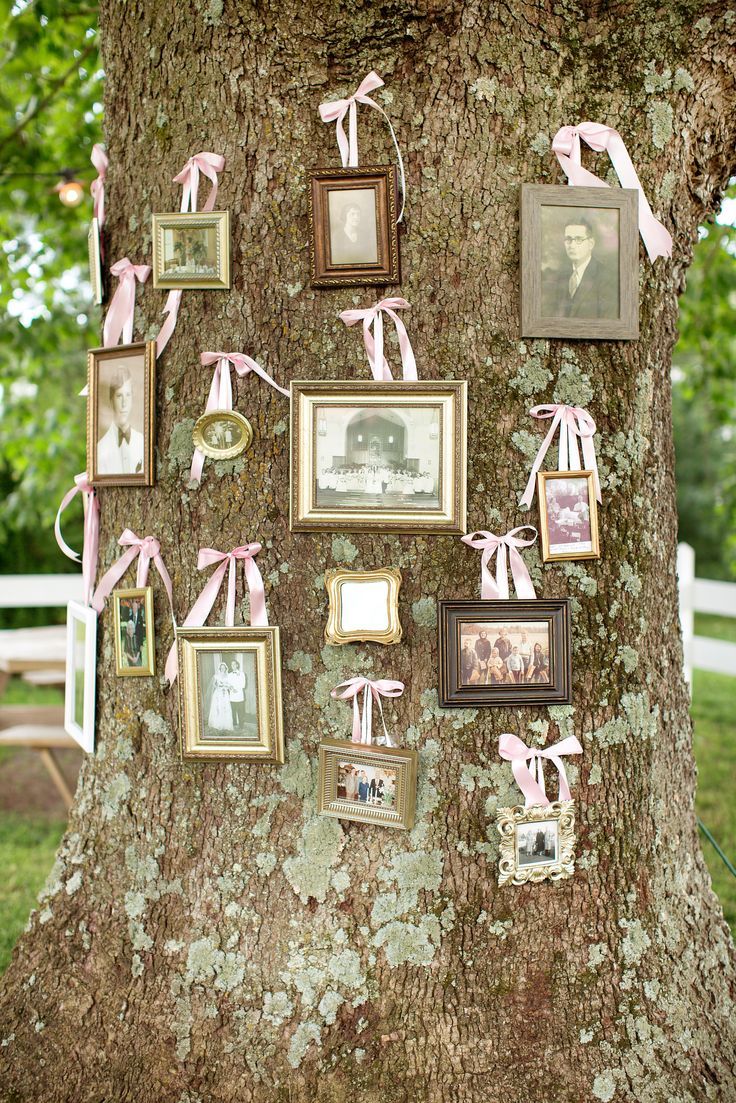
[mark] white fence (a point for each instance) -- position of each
(699, 595)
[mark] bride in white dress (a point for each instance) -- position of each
(221, 715)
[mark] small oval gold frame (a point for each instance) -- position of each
(245, 434)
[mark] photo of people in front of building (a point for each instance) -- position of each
(367, 785)
(568, 516)
(536, 843)
(512, 653)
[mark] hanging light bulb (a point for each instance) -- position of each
(71, 192)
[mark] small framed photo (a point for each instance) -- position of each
(222, 434)
(352, 227)
(135, 650)
(370, 784)
(537, 843)
(568, 515)
(382, 457)
(230, 693)
(364, 605)
(191, 250)
(95, 262)
(120, 414)
(81, 659)
(504, 653)
(579, 262)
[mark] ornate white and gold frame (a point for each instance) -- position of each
(373, 583)
(401, 760)
(217, 220)
(508, 820)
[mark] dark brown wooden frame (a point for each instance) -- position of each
(556, 612)
(147, 349)
(386, 269)
(533, 323)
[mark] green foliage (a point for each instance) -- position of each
(27, 846)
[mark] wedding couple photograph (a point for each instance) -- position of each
(228, 705)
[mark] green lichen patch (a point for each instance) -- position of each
(115, 794)
(309, 872)
(300, 663)
(181, 448)
(639, 722)
(343, 550)
(424, 612)
(296, 776)
(412, 943)
(661, 118)
(301, 1039)
(604, 1086)
(635, 943)
(531, 377)
(573, 385)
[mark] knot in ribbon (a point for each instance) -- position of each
(146, 549)
(372, 690)
(334, 111)
(501, 546)
(91, 544)
(119, 319)
(100, 160)
(574, 422)
(513, 750)
(373, 316)
(207, 164)
(566, 145)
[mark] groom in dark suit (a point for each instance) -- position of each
(590, 288)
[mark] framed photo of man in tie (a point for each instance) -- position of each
(579, 262)
(120, 414)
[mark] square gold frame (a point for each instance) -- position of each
(334, 582)
(402, 759)
(95, 262)
(450, 396)
(548, 476)
(220, 220)
(148, 350)
(123, 671)
(266, 643)
(507, 822)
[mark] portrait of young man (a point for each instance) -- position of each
(585, 284)
(120, 446)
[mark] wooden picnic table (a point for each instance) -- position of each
(37, 652)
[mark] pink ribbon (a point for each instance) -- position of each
(146, 549)
(373, 316)
(200, 610)
(566, 144)
(363, 722)
(119, 319)
(513, 750)
(574, 422)
(221, 392)
(500, 546)
(100, 160)
(336, 110)
(91, 543)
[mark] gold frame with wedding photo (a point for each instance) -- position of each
(121, 382)
(387, 766)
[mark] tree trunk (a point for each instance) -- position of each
(204, 936)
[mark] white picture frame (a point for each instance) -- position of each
(81, 663)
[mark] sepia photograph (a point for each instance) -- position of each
(120, 414)
(511, 653)
(191, 250)
(353, 237)
(367, 783)
(536, 843)
(579, 262)
(135, 652)
(222, 434)
(353, 225)
(364, 605)
(568, 514)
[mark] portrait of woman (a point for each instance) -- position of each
(220, 716)
(353, 233)
(540, 665)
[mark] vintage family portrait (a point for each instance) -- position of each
(120, 412)
(367, 783)
(536, 843)
(222, 434)
(519, 654)
(352, 222)
(568, 514)
(135, 652)
(364, 605)
(191, 250)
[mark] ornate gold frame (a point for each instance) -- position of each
(222, 453)
(402, 759)
(221, 222)
(451, 396)
(95, 261)
(507, 821)
(123, 671)
(547, 476)
(147, 349)
(266, 644)
(334, 582)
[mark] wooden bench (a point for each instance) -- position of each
(41, 728)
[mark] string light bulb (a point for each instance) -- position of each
(70, 191)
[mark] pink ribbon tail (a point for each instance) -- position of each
(513, 750)
(90, 547)
(489, 543)
(119, 319)
(100, 160)
(171, 309)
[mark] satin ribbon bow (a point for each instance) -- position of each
(513, 750)
(91, 543)
(372, 690)
(148, 549)
(100, 160)
(200, 610)
(373, 316)
(574, 423)
(336, 110)
(566, 145)
(500, 546)
(119, 319)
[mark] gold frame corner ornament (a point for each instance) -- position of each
(562, 812)
(334, 582)
(403, 760)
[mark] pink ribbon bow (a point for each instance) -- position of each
(221, 392)
(566, 144)
(91, 543)
(574, 422)
(119, 319)
(492, 544)
(100, 160)
(513, 750)
(363, 722)
(146, 549)
(373, 316)
(336, 110)
(200, 610)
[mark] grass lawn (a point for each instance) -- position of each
(27, 848)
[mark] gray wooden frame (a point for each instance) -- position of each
(533, 324)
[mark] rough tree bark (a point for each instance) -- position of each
(203, 935)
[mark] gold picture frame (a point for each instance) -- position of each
(517, 826)
(128, 370)
(207, 729)
(95, 262)
(405, 473)
(573, 522)
(200, 240)
(127, 648)
(393, 771)
(371, 615)
(236, 423)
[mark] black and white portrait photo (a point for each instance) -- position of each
(536, 843)
(228, 695)
(353, 226)
(580, 262)
(120, 395)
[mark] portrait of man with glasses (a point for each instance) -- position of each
(585, 282)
